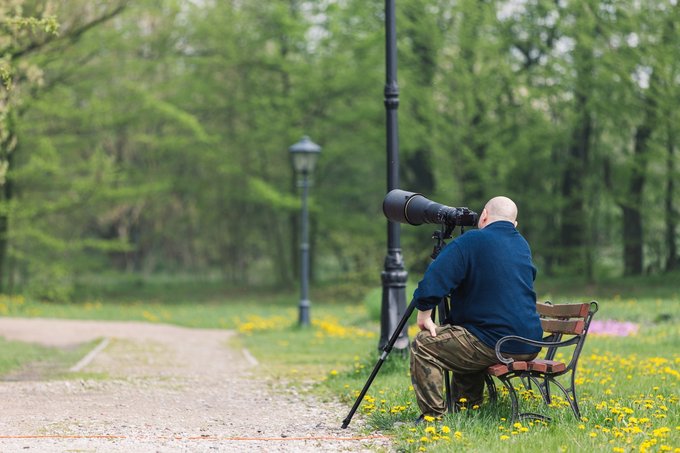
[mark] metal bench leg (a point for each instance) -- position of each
(574, 402)
(570, 395)
(542, 387)
(546, 388)
(491, 387)
(514, 416)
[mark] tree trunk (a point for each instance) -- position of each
(574, 237)
(7, 147)
(573, 226)
(632, 217)
(474, 138)
(417, 171)
(633, 234)
(672, 260)
(671, 215)
(632, 241)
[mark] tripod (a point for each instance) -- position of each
(439, 236)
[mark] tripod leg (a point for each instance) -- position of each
(449, 396)
(443, 315)
(386, 351)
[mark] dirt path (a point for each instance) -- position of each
(166, 389)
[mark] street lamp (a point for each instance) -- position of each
(304, 154)
(394, 275)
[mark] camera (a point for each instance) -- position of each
(413, 208)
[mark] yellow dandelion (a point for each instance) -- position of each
(661, 432)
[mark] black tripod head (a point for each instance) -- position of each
(440, 236)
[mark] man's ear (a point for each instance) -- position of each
(483, 217)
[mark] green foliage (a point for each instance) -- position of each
(14, 28)
(152, 136)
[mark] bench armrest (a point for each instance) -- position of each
(542, 344)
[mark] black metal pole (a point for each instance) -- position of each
(304, 255)
(394, 275)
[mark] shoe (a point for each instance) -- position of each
(420, 420)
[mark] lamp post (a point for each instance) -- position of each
(304, 154)
(394, 275)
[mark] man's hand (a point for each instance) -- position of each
(425, 322)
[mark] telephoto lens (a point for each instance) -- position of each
(413, 208)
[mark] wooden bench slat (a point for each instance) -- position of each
(498, 369)
(518, 366)
(540, 365)
(563, 326)
(547, 366)
(563, 310)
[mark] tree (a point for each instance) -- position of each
(154, 137)
(31, 33)
(19, 34)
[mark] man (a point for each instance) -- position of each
(489, 274)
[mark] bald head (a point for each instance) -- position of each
(498, 208)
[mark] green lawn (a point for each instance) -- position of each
(38, 362)
(628, 386)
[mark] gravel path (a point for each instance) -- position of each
(166, 389)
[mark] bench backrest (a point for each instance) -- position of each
(566, 319)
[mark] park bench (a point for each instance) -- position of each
(566, 326)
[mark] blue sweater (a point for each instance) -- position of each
(489, 274)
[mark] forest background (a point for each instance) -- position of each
(150, 137)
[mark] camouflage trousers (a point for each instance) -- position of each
(457, 350)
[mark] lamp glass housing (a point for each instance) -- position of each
(304, 155)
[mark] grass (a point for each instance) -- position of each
(628, 390)
(36, 361)
(628, 386)
(647, 287)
